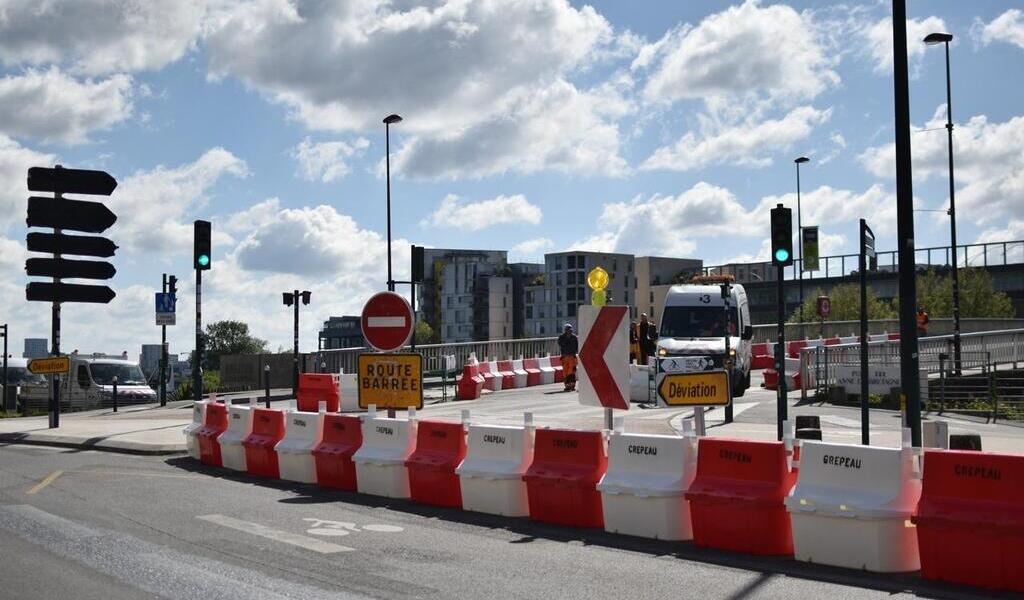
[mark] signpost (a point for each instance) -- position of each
(810, 249)
(867, 260)
(604, 356)
(166, 305)
(391, 381)
(705, 388)
(387, 321)
(49, 366)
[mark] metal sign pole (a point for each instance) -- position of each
(163, 353)
(780, 354)
(197, 373)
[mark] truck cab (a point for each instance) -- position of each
(90, 382)
(695, 323)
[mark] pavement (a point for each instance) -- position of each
(150, 429)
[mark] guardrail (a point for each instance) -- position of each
(937, 326)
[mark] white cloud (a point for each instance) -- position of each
(989, 164)
(96, 37)
(474, 216)
(325, 161)
(879, 39)
(749, 144)
(151, 205)
(1007, 27)
(14, 163)
(1014, 230)
(745, 50)
(532, 248)
(51, 106)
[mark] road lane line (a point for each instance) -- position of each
(45, 482)
(276, 534)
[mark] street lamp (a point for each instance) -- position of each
(800, 233)
(932, 39)
(388, 120)
(292, 299)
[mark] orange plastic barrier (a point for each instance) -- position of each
(315, 388)
(970, 520)
(471, 384)
(561, 483)
(214, 424)
(832, 341)
(759, 349)
(556, 363)
(894, 337)
(267, 431)
(533, 372)
(771, 379)
(508, 376)
(343, 435)
(761, 361)
(794, 348)
(440, 447)
(737, 500)
(484, 368)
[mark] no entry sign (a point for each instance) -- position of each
(387, 321)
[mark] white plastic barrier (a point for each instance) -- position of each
(878, 337)
(232, 452)
(520, 373)
(348, 388)
(495, 383)
(852, 504)
(848, 340)
(303, 431)
(198, 416)
(547, 372)
(491, 475)
(642, 493)
(815, 343)
(380, 461)
(639, 382)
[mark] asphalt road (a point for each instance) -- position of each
(83, 524)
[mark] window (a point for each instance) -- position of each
(504, 331)
(615, 265)
(625, 297)
(652, 297)
(581, 262)
(571, 262)
(83, 376)
(558, 295)
(558, 263)
(570, 294)
(529, 312)
(504, 301)
(572, 310)
(559, 312)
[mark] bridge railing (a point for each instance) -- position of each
(937, 326)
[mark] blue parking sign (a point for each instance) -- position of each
(165, 308)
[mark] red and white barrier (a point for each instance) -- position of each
(520, 372)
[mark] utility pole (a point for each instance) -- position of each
(163, 351)
(201, 257)
(4, 399)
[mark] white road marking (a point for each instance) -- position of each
(343, 528)
(383, 528)
(385, 322)
(275, 534)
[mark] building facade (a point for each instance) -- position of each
(342, 332)
(36, 348)
(552, 298)
(655, 275)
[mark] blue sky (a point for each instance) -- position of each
(646, 127)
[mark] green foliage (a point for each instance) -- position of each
(845, 305)
(211, 384)
(425, 334)
(228, 337)
(978, 296)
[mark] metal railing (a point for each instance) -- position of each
(937, 326)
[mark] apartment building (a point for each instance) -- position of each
(552, 298)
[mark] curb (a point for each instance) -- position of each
(100, 444)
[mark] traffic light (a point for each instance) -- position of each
(305, 297)
(201, 248)
(172, 285)
(417, 264)
(289, 298)
(782, 236)
(76, 215)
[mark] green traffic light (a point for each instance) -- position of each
(204, 260)
(782, 255)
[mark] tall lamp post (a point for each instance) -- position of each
(800, 238)
(3, 401)
(388, 120)
(932, 39)
(292, 299)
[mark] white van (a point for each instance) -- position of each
(89, 384)
(30, 387)
(694, 323)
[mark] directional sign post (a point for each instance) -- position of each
(387, 321)
(604, 356)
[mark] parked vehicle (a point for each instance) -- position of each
(90, 382)
(30, 387)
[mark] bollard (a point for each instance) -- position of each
(266, 380)
(113, 394)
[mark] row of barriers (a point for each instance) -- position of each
(956, 516)
(497, 375)
(763, 357)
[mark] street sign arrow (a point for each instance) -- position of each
(70, 181)
(604, 356)
(83, 245)
(69, 269)
(68, 292)
(77, 215)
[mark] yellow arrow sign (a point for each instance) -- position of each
(49, 366)
(705, 388)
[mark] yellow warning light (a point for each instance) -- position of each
(597, 279)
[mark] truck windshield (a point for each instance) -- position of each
(696, 321)
(104, 373)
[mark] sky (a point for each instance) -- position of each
(653, 128)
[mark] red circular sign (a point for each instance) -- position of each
(387, 321)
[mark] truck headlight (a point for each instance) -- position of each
(662, 352)
(732, 352)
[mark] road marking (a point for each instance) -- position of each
(385, 322)
(343, 528)
(45, 482)
(275, 534)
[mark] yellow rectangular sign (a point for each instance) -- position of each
(702, 388)
(49, 366)
(391, 380)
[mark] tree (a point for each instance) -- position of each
(229, 337)
(425, 333)
(978, 296)
(845, 300)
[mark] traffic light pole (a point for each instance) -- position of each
(865, 430)
(780, 353)
(197, 367)
(163, 353)
(295, 352)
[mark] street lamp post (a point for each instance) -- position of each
(3, 401)
(292, 299)
(932, 39)
(800, 238)
(388, 120)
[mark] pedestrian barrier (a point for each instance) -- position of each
(440, 448)
(851, 506)
(534, 376)
(342, 436)
(793, 349)
(232, 451)
(521, 376)
(832, 341)
(547, 370)
(761, 361)
(815, 343)
(215, 423)
(190, 431)
(348, 392)
(878, 337)
(737, 497)
(759, 349)
(491, 475)
(471, 384)
(492, 379)
(643, 491)
(508, 376)
(315, 388)
(849, 340)
(556, 364)
(303, 431)
(380, 460)
(894, 337)
(970, 521)
(267, 431)
(639, 382)
(562, 480)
